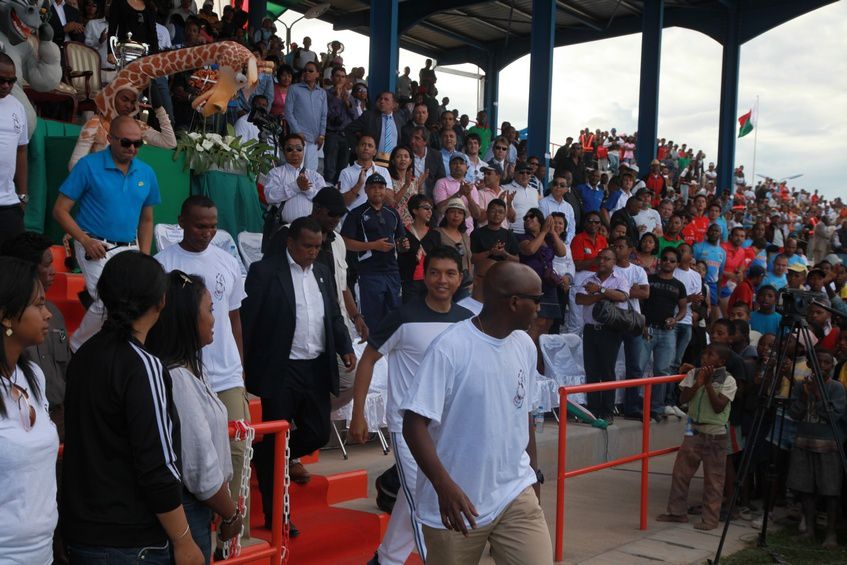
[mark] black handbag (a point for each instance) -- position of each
(628, 321)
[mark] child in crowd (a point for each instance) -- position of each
(708, 392)
(765, 319)
(740, 311)
(815, 465)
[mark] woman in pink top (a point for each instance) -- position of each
(284, 76)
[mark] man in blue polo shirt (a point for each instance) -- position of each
(592, 193)
(373, 231)
(115, 194)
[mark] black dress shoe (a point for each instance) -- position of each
(634, 416)
(657, 417)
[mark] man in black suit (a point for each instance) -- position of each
(66, 22)
(373, 123)
(293, 331)
(427, 161)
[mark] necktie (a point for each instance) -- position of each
(388, 144)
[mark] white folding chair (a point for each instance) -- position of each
(250, 246)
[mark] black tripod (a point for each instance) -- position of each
(794, 326)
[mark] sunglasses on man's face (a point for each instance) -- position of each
(8, 80)
(290, 148)
(127, 143)
(499, 148)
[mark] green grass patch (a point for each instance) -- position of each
(787, 546)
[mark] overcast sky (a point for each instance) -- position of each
(798, 70)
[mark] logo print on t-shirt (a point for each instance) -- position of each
(220, 286)
(16, 122)
(520, 391)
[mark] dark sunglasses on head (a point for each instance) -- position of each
(8, 80)
(500, 148)
(126, 142)
(427, 207)
(290, 148)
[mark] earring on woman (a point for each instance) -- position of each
(9, 332)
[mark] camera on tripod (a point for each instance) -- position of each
(794, 303)
(267, 124)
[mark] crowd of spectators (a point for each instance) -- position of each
(369, 186)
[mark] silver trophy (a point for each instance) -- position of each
(127, 51)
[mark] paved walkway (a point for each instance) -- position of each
(601, 509)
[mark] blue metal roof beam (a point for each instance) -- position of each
(452, 34)
(580, 15)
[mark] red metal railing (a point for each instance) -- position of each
(644, 455)
(275, 552)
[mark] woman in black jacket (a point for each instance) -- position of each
(137, 17)
(122, 489)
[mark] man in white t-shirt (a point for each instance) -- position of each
(693, 283)
(244, 128)
(351, 181)
(633, 346)
(403, 337)
(223, 357)
(467, 422)
(14, 138)
(648, 219)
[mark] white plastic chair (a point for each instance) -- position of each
(250, 246)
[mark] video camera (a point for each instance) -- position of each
(794, 303)
(266, 123)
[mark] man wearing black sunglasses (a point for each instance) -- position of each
(114, 193)
(14, 138)
(292, 186)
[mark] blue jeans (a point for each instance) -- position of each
(683, 338)
(199, 518)
(661, 345)
(88, 555)
(379, 294)
(633, 349)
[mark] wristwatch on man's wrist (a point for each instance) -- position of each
(24, 198)
(539, 476)
(602, 290)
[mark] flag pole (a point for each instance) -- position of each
(755, 139)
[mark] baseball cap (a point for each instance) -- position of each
(457, 204)
(494, 167)
(755, 271)
(632, 167)
(521, 167)
(376, 178)
(330, 198)
(457, 157)
(797, 268)
(817, 271)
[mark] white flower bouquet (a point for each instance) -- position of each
(213, 151)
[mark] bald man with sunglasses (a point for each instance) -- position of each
(114, 193)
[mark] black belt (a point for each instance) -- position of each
(595, 327)
(114, 243)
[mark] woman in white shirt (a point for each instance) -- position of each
(28, 439)
(185, 326)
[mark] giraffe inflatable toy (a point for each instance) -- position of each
(230, 57)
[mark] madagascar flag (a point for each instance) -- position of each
(745, 124)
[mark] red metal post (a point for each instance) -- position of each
(645, 449)
(560, 474)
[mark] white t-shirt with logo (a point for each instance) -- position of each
(477, 392)
(635, 275)
(647, 220)
(13, 134)
(222, 275)
(693, 283)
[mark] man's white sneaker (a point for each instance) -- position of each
(669, 411)
(679, 412)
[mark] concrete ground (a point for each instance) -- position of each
(602, 508)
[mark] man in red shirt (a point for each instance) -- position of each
(695, 230)
(587, 244)
(655, 181)
(745, 292)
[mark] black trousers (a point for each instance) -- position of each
(11, 221)
(599, 354)
(303, 400)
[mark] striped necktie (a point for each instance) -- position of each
(388, 144)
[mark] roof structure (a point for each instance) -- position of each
(472, 31)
